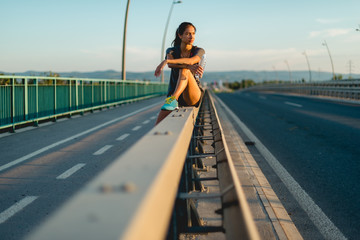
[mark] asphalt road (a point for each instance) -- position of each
(41, 168)
(317, 142)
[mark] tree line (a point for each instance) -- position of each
(245, 83)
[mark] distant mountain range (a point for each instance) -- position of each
(226, 76)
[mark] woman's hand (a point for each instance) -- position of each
(196, 69)
(200, 71)
(159, 68)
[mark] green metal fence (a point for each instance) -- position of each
(31, 99)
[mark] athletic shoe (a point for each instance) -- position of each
(170, 104)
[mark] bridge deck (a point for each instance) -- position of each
(133, 198)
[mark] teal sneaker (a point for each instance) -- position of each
(170, 104)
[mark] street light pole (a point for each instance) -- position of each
(289, 70)
(124, 42)
(332, 64)
(277, 76)
(308, 63)
(164, 37)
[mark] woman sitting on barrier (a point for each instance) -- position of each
(183, 58)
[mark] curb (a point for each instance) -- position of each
(270, 215)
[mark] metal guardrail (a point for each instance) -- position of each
(346, 89)
(25, 99)
(134, 197)
(237, 220)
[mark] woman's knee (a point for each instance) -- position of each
(184, 73)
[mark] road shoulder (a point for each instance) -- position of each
(269, 214)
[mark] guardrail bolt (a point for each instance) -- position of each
(128, 187)
(163, 133)
(105, 188)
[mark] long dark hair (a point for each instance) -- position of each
(179, 31)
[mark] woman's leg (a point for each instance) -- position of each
(187, 86)
(162, 114)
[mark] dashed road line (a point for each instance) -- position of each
(153, 117)
(44, 149)
(71, 171)
(293, 104)
(102, 150)
(136, 128)
(17, 207)
(122, 137)
(146, 122)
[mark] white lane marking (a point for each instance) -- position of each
(122, 137)
(71, 171)
(17, 207)
(62, 119)
(6, 134)
(293, 104)
(33, 154)
(102, 150)
(146, 122)
(317, 216)
(136, 128)
(153, 117)
(262, 97)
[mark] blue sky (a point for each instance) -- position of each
(86, 35)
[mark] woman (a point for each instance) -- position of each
(182, 58)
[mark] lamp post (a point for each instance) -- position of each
(308, 63)
(164, 37)
(277, 76)
(124, 42)
(332, 64)
(289, 70)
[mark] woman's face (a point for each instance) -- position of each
(188, 37)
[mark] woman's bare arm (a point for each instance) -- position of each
(170, 56)
(184, 61)
(193, 68)
(180, 63)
